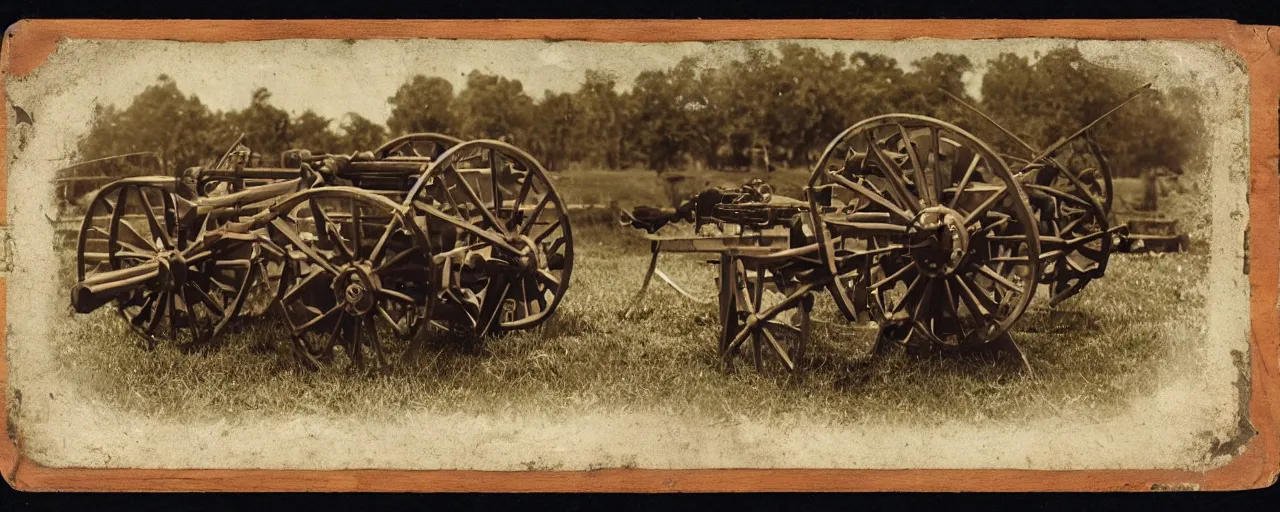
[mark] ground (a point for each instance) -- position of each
(1103, 349)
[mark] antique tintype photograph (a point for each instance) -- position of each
(530, 255)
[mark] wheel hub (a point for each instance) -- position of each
(356, 288)
(173, 269)
(531, 257)
(938, 240)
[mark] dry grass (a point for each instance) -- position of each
(1109, 344)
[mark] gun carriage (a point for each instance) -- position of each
(906, 220)
(357, 252)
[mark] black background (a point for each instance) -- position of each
(1262, 12)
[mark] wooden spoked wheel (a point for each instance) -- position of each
(494, 212)
(1074, 229)
(925, 223)
(416, 145)
(133, 247)
(1101, 181)
(768, 317)
(366, 279)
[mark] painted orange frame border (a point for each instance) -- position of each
(28, 43)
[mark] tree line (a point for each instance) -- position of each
(782, 103)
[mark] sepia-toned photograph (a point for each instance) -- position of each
(528, 255)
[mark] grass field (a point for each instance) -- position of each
(1107, 346)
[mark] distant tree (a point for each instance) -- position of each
(493, 107)
(669, 106)
(1062, 91)
(921, 91)
(746, 95)
(423, 104)
(159, 119)
(602, 114)
(810, 111)
(872, 85)
(788, 99)
(265, 127)
(558, 136)
(312, 131)
(361, 134)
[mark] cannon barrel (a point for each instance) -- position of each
(99, 289)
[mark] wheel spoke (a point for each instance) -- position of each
(924, 309)
(964, 181)
(874, 197)
(915, 284)
(208, 301)
(493, 184)
(986, 205)
(533, 216)
(893, 277)
(487, 236)
(356, 345)
(319, 220)
(221, 285)
(158, 312)
(938, 180)
(525, 187)
(475, 199)
(973, 291)
(922, 187)
(319, 318)
(378, 352)
(892, 174)
(777, 348)
(301, 285)
(524, 295)
(999, 279)
(395, 224)
(152, 222)
(132, 255)
(357, 230)
(448, 195)
(151, 244)
(497, 307)
(144, 310)
(306, 249)
(394, 260)
(951, 299)
(173, 316)
(758, 295)
(552, 282)
(336, 233)
(192, 318)
(554, 225)
(385, 292)
(335, 334)
(382, 312)
(554, 248)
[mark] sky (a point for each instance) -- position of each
(334, 77)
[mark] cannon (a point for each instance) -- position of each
(358, 253)
(914, 223)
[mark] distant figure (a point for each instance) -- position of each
(1151, 187)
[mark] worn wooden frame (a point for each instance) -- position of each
(28, 43)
